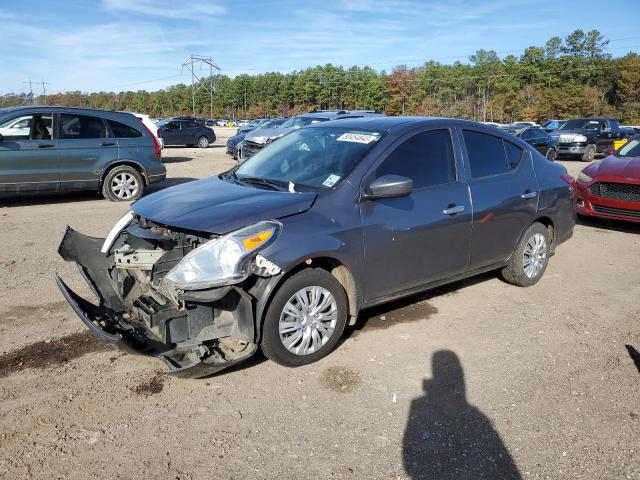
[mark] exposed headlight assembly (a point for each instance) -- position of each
(584, 178)
(224, 260)
(115, 231)
(260, 139)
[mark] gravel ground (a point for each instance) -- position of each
(478, 379)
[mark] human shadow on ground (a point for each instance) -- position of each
(446, 438)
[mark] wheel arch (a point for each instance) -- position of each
(120, 163)
(332, 265)
(547, 222)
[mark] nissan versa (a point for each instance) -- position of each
(281, 252)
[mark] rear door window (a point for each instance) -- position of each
(427, 158)
(486, 154)
(120, 130)
(81, 127)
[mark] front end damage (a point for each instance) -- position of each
(196, 332)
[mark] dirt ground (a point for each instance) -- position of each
(475, 380)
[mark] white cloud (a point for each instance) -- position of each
(191, 10)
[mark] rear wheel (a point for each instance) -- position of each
(530, 258)
(123, 184)
(305, 319)
(589, 154)
(203, 142)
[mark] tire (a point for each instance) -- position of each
(320, 336)
(589, 154)
(535, 242)
(551, 154)
(203, 142)
(122, 184)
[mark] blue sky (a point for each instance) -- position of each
(117, 45)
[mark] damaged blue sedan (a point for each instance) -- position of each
(283, 251)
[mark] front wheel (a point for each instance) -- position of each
(305, 319)
(123, 184)
(530, 258)
(589, 154)
(203, 142)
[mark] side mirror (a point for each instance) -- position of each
(389, 186)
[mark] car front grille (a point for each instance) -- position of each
(616, 191)
(250, 148)
(617, 211)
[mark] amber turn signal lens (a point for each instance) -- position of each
(256, 240)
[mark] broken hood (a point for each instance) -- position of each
(216, 206)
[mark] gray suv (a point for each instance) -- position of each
(58, 149)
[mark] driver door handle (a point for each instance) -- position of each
(45, 145)
(453, 210)
(107, 144)
(526, 195)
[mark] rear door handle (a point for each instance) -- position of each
(526, 195)
(107, 144)
(45, 145)
(453, 210)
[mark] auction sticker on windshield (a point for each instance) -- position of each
(358, 137)
(331, 180)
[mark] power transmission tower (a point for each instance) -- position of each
(44, 90)
(201, 63)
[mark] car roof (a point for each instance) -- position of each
(57, 108)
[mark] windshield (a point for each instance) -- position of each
(310, 157)
(631, 149)
(580, 124)
(298, 122)
(272, 124)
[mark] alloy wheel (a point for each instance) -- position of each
(203, 142)
(308, 320)
(534, 256)
(124, 186)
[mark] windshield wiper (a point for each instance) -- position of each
(259, 181)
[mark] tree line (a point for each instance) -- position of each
(565, 78)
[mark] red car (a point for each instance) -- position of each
(610, 188)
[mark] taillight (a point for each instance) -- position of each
(156, 145)
(568, 178)
(571, 181)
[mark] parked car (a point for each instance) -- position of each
(611, 188)
(248, 126)
(551, 125)
(151, 126)
(256, 140)
(186, 132)
(584, 138)
(539, 139)
(234, 144)
(82, 149)
(282, 251)
(523, 124)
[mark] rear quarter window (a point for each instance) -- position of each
(120, 130)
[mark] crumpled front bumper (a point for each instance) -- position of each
(110, 322)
